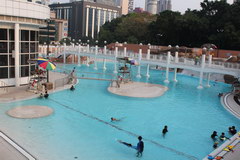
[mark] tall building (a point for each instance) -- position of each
(19, 38)
(84, 17)
(58, 29)
(130, 5)
(164, 5)
(123, 4)
(108, 2)
(152, 6)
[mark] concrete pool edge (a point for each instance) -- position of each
(16, 147)
(228, 103)
(14, 97)
(233, 141)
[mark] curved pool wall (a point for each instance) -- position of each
(80, 127)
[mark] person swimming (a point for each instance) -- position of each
(214, 135)
(114, 119)
(165, 130)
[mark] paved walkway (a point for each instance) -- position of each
(22, 93)
(229, 104)
(9, 150)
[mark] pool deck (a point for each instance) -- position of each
(10, 150)
(21, 93)
(226, 154)
(230, 105)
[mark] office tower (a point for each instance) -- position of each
(130, 5)
(123, 4)
(164, 5)
(152, 6)
(84, 17)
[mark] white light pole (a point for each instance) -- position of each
(176, 61)
(104, 52)
(64, 53)
(125, 49)
(168, 62)
(202, 67)
(148, 58)
(95, 58)
(116, 54)
(209, 64)
(79, 52)
(87, 52)
(139, 61)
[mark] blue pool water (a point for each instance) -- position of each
(80, 127)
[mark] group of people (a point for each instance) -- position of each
(45, 95)
(232, 131)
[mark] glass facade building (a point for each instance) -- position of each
(19, 40)
(84, 17)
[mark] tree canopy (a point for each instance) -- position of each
(217, 22)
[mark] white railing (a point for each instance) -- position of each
(153, 58)
(3, 86)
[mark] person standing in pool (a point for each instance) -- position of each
(214, 135)
(165, 130)
(223, 137)
(140, 147)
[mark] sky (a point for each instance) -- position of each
(177, 5)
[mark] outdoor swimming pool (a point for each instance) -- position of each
(80, 127)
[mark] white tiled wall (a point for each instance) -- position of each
(22, 8)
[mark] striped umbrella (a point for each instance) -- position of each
(45, 64)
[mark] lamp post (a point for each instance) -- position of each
(125, 49)
(176, 61)
(96, 52)
(115, 59)
(168, 62)
(139, 60)
(104, 52)
(202, 67)
(48, 42)
(148, 57)
(87, 52)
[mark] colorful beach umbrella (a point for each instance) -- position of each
(45, 64)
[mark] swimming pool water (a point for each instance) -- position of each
(80, 127)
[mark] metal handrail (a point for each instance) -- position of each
(4, 86)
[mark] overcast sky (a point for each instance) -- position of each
(177, 5)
